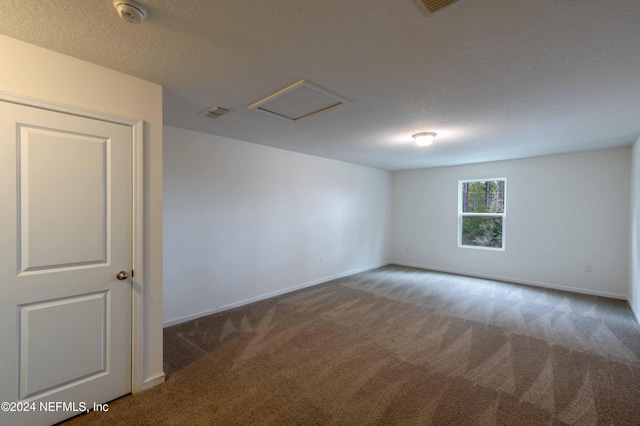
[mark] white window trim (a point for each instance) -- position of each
(503, 215)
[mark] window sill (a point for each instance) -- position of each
(481, 248)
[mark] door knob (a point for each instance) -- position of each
(122, 275)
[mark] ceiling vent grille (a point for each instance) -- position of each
(215, 111)
(431, 6)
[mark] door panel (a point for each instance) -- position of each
(87, 345)
(65, 233)
(63, 194)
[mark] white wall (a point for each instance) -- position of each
(563, 212)
(243, 221)
(32, 71)
(634, 293)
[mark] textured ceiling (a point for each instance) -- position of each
(496, 79)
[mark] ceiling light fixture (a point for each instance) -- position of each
(425, 138)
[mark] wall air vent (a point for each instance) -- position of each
(215, 111)
(298, 101)
(431, 6)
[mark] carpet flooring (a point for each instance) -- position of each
(398, 345)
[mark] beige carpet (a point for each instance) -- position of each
(398, 345)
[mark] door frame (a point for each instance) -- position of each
(137, 235)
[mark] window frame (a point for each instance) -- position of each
(461, 214)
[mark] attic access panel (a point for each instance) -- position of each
(298, 101)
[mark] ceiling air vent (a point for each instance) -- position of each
(431, 6)
(215, 111)
(298, 101)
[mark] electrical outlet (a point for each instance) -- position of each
(587, 268)
(321, 259)
(406, 249)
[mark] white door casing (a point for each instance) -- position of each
(68, 224)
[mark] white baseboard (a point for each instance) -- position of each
(515, 280)
(635, 313)
(153, 381)
(268, 295)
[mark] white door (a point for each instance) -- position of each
(65, 233)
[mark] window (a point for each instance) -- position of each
(482, 213)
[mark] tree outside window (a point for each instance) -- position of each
(481, 213)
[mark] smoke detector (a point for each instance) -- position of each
(130, 11)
